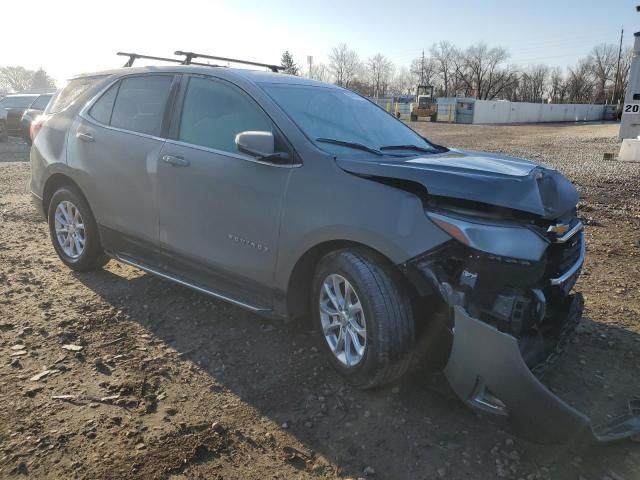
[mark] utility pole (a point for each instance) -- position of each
(422, 68)
(310, 62)
(615, 100)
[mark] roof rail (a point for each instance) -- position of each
(189, 56)
(134, 56)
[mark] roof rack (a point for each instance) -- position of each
(189, 56)
(134, 56)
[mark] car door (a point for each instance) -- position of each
(114, 147)
(219, 208)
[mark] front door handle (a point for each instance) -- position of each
(85, 137)
(175, 160)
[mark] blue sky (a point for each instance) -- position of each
(555, 32)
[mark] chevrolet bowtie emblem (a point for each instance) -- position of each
(559, 229)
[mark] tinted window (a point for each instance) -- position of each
(102, 109)
(41, 102)
(215, 112)
(70, 93)
(140, 103)
(17, 102)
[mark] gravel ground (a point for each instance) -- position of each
(116, 374)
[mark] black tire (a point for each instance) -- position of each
(414, 118)
(388, 313)
(92, 256)
(3, 132)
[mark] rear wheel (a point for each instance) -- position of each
(74, 232)
(363, 317)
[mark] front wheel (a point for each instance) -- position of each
(74, 232)
(363, 317)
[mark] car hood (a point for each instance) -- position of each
(477, 176)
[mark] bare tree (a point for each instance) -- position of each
(320, 72)
(423, 70)
(557, 86)
(580, 83)
(443, 55)
(403, 82)
(623, 76)
(602, 61)
(379, 71)
(483, 71)
(17, 79)
(533, 83)
(343, 65)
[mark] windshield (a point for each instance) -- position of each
(17, 102)
(339, 114)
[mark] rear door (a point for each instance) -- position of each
(219, 208)
(114, 147)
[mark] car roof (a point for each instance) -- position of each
(253, 76)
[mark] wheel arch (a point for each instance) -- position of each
(298, 294)
(53, 183)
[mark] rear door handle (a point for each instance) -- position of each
(85, 137)
(175, 160)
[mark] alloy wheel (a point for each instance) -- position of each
(69, 228)
(343, 321)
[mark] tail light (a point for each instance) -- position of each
(36, 124)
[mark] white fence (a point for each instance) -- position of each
(404, 109)
(490, 111)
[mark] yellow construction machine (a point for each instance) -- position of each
(425, 105)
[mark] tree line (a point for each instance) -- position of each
(20, 79)
(479, 71)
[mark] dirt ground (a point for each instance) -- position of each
(117, 374)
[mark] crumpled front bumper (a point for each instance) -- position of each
(486, 370)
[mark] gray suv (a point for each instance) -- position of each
(297, 199)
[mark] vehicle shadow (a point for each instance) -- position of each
(416, 428)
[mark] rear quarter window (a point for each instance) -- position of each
(102, 109)
(69, 94)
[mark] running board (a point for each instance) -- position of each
(184, 283)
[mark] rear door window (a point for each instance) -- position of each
(140, 103)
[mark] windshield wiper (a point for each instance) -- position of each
(345, 143)
(408, 147)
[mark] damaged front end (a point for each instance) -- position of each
(507, 277)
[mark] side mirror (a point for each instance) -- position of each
(256, 144)
(259, 144)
